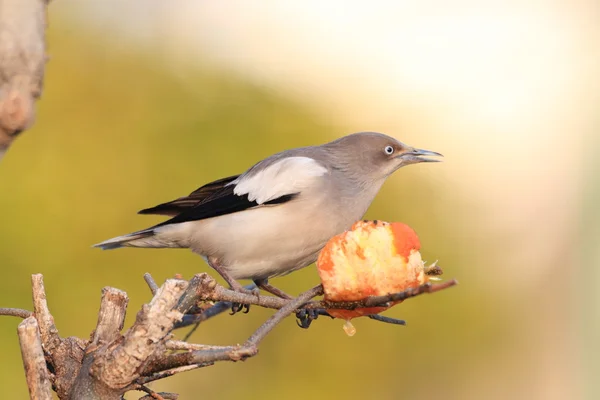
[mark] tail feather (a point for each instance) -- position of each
(135, 239)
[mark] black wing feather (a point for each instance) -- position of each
(198, 196)
(211, 200)
(222, 203)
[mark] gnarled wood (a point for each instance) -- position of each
(36, 373)
(22, 62)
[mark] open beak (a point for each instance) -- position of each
(413, 156)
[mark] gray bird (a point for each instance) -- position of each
(275, 217)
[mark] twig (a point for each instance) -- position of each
(36, 373)
(165, 374)
(163, 395)
(289, 308)
(387, 320)
(156, 395)
(183, 345)
(151, 283)
(197, 315)
(232, 353)
(380, 301)
(219, 293)
(16, 312)
(199, 358)
(213, 311)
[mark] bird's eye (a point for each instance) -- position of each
(389, 150)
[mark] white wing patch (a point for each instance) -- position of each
(287, 176)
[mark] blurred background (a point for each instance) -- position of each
(145, 101)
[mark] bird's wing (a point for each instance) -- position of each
(199, 195)
(263, 183)
(273, 182)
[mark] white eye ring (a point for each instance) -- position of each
(389, 150)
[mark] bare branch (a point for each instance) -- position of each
(151, 283)
(156, 395)
(16, 312)
(22, 61)
(382, 301)
(114, 364)
(387, 320)
(183, 345)
(289, 308)
(204, 314)
(196, 315)
(165, 374)
(48, 331)
(111, 317)
(198, 284)
(215, 292)
(122, 365)
(38, 377)
(231, 353)
(220, 293)
(163, 395)
(199, 358)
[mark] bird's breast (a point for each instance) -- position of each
(266, 241)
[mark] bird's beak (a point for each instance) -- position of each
(413, 156)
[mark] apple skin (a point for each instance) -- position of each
(373, 258)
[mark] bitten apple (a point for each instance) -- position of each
(373, 258)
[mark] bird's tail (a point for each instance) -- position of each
(136, 239)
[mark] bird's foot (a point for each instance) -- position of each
(306, 317)
(237, 307)
(233, 284)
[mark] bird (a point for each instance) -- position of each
(276, 217)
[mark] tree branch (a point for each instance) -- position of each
(286, 310)
(232, 353)
(151, 283)
(156, 395)
(36, 373)
(22, 62)
(15, 312)
(63, 355)
(383, 301)
(48, 331)
(115, 363)
(111, 317)
(214, 292)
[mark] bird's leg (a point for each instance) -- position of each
(267, 287)
(233, 284)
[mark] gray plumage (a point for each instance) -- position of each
(275, 217)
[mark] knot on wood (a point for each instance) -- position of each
(16, 113)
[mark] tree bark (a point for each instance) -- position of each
(22, 62)
(111, 363)
(36, 373)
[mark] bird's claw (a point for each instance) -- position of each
(306, 316)
(237, 307)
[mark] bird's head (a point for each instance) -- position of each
(375, 155)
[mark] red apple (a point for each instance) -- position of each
(373, 258)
